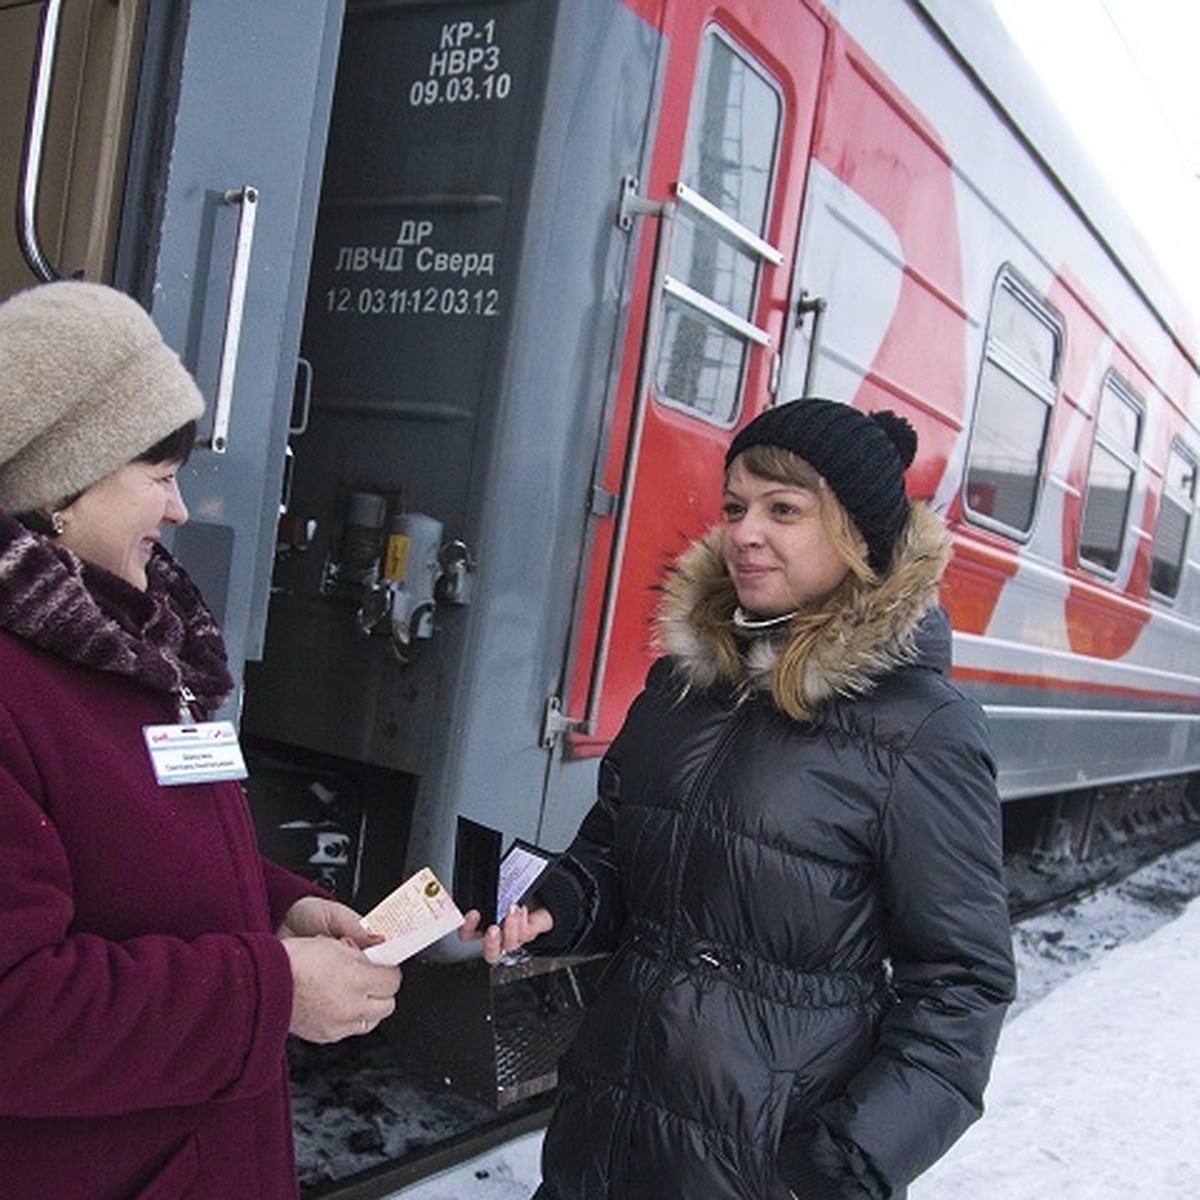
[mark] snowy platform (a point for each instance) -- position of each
(1095, 1093)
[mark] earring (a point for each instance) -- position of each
(57, 522)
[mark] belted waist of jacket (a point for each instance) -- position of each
(711, 961)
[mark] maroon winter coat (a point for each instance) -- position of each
(144, 997)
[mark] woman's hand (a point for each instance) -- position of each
(336, 990)
(521, 925)
(314, 916)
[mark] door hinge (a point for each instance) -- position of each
(603, 502)
(632, 205)
(555, 723)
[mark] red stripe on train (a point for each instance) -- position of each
(1050, 683)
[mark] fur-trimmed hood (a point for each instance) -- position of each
(854, 645)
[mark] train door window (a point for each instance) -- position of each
(717, 246)
(1017, 386)
(1174, 522)
(1111, 476)
(65, 186)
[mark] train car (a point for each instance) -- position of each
(478, 293)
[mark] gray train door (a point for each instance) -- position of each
(175, 151)
(239, 202)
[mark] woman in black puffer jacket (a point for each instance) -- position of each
(794, 856)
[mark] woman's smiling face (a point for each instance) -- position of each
(776, 545)
(116, 522)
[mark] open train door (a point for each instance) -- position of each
(174, 150)
(719, 215)
(252, 86)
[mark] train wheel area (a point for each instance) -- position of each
(1059, 846)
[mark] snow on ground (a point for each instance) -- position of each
(1095, 1093)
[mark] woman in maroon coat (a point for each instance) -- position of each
(152, 963)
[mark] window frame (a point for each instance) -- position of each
(1185, 451)
(1113, 384)
(998, 355)
(677, 290)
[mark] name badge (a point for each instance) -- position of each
(194, 753)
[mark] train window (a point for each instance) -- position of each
(723, 202)
(1174, 522)
(1111, 476)
(1017, 386)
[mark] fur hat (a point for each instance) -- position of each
(86, 385)
(861, 456)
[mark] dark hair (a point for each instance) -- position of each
(36, 522)
(175, 447)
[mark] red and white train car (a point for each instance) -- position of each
(536, 260)
(935, 243)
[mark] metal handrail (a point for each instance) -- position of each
(718, 313)
(247, 200)
(749, 240)
(35, 144)
(817, 305)
(591, 717)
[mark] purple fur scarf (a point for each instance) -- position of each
(165, 637)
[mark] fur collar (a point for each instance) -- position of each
(852, 648)
(165, 637)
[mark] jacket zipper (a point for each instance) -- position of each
(690, 811)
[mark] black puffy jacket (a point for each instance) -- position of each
(812, 948)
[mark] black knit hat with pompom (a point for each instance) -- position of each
(861, 456)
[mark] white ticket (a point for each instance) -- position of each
(412, 917)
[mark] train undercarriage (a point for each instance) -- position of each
(1059, 845)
